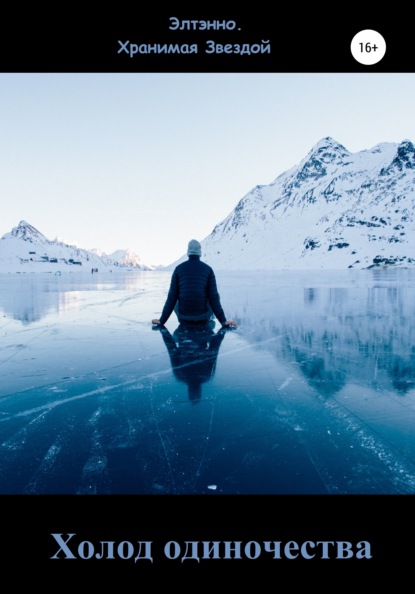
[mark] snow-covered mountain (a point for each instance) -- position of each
(129, 258)
(334, 210)
(25, 249)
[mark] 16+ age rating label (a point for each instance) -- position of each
(368, 47)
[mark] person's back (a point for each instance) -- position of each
(197, 294)
(193, 293)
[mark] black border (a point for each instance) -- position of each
(300, 40)
(378, 525)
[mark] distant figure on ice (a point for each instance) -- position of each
(193, 351)
(193, 293)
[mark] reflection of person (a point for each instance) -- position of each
(193, 293)
(193, 351)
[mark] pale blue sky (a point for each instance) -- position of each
(149, 161)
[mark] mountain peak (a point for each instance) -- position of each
(335, 209)
(28, 247)
(406, 154)
(404, 158)
(328, 150)
(26, 231)
(325, 153)
(325, 142)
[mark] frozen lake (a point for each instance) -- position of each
(313, 393)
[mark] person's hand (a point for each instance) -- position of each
(155, 322)
(230, 323)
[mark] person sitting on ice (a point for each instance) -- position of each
(193, 293)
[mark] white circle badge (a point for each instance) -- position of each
(368, 47)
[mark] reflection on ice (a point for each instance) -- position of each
(193, 352)
(361, 331)
(29, 298)
(312, 393)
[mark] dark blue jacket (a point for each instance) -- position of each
(193, 288)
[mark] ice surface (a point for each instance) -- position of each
(313, 393)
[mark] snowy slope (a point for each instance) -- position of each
(25, 249)
(334, 210)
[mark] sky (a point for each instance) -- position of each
(148, 161)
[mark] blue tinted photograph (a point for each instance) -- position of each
(207, 284)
